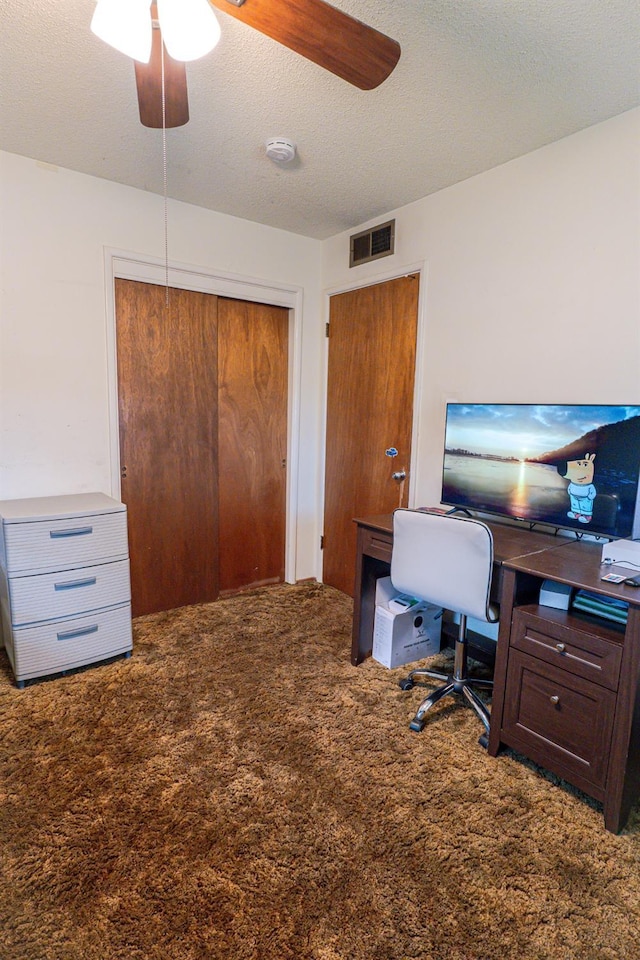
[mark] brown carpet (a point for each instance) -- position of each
(238, 791)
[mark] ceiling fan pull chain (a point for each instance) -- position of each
(164, 181)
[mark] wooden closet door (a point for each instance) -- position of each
(252, 409)
(168, 397)
(372, 350)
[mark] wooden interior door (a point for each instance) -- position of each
(372, 350)
(252, 407)
(168, 396)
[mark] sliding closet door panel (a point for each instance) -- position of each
(167, 394)
(372, 348)
(252, 409)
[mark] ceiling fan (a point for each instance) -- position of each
(314, 29)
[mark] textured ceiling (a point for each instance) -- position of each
(479, 82)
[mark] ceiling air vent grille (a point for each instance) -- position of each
(372, 244)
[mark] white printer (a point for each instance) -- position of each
(623, 553)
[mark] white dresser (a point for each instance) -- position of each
(65, 593)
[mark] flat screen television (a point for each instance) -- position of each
(575, 467)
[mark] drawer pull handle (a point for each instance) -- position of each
(81, 632)
(560, 647)
(75, 532)
(72, 584)
(554, 699)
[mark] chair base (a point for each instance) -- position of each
(457, 683)
(449, 688)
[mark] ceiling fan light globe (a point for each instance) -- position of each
(124, 25)
(189, 28)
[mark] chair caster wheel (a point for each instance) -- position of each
(417, 725)
(406, 684)
(484, 741)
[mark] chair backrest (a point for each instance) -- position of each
(447, 560)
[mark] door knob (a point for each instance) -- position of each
(554, 699)
(399, 475)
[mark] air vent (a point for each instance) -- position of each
(372, 244)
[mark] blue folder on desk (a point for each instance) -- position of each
(608, 607)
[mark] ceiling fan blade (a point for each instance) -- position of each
(149, 86)
(321, 33)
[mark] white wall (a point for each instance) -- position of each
(530, 293)
(531, 284)
(54, 362)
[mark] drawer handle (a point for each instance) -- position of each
(72, 584)
(81, 632)
(75, 532)
(555, 700)
(560, 647)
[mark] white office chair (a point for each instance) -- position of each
(446, 560)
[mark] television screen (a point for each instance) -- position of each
(568, 466)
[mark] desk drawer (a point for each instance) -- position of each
(40, 545)
(553, 639)
(66, 644)
(560, 721)
(375, 543)
(68, 593)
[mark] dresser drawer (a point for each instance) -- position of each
(68, 593)
(43, 545)
(559, 720)
(580, 652)
(52, 647)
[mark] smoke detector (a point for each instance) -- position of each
(281, 149)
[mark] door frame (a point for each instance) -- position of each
(125, 265)
(419, 267)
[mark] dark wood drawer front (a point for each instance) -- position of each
(377, 544)
(579, 652)
(559, 720)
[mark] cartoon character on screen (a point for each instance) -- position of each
(581, 490)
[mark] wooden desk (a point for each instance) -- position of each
(373, 560)
(566, 684)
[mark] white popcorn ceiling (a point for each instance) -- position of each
(479, 82)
